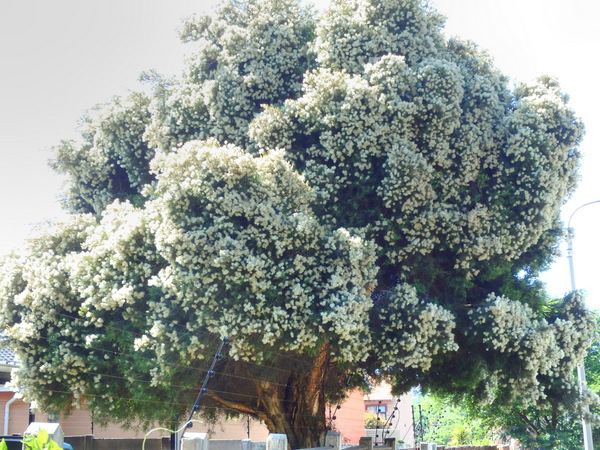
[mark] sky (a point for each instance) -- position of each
(61, 57)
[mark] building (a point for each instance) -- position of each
(393, 410)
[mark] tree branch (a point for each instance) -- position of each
(529, 423)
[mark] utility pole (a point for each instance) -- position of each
(588, 443)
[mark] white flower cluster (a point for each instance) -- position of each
(245, 255)
(243, 58)
(112, 160)
(540, 352)
(456, 163)
(541, 162)
(413, 332)
(112, 273)
(354, 33)
(403, 130)
(34, 287)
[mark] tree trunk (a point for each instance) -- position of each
(294, 406)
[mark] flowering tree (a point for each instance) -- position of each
(553, 423)
(344, 196)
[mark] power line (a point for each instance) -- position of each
(186, 367)
(88, 347)
(157, 402)
(129, 379)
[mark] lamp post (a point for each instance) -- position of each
(588, 443)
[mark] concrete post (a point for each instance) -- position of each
(54, 430)
(195, 441)
(367, 442)
(390, 442)
(428, 446)
(277, 442)
(334, 439)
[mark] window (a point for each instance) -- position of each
(380, 410)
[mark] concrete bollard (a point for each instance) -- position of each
(334, 439)
(366, 441)
(54, 430)
(277, 442)
(194, 441)
(428, 446)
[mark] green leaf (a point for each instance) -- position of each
(40, 442)
(53, 446)
(42, 436)
(30, 442)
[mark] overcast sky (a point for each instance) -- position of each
(59, 57)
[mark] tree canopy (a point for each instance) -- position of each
(554, 423)
(345, 196)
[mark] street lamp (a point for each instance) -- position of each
(588, 443)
